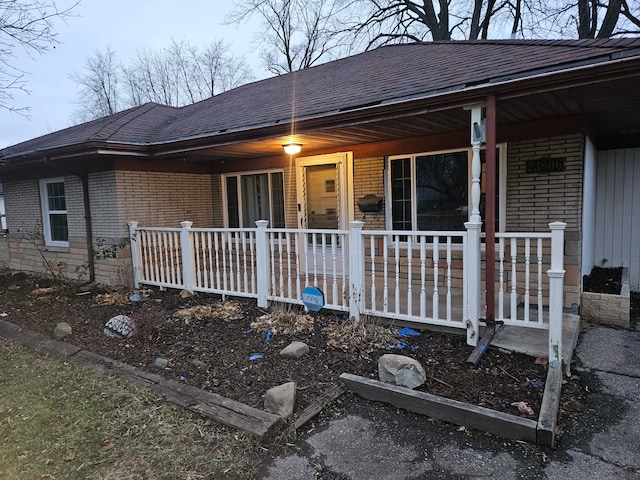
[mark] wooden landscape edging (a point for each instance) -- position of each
(460, 413)
(219, 408)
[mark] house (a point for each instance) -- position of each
(386, 136)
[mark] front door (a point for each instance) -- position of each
(325, 202)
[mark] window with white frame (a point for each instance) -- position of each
(254, 196)
(430, 191)
(54, 212)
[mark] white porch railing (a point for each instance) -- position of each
(416, 276)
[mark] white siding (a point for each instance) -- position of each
(617, 233)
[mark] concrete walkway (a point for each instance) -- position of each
(367, 440)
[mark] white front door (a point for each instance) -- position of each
(325, 201)
(325, 196)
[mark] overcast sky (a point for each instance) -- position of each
(128, 26)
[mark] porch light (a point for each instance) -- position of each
(292, 148)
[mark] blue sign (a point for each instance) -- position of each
(313, 299)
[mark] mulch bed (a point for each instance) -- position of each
(211, 346)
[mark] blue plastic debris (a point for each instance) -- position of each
(249, 330)
(182, 378)
(538, 383)
(255, 356)
(399, 346)
(135, 297)
(267, 336)
(414, 347)
(239, 317)
(408, 332)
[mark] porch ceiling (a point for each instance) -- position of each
(611, 111)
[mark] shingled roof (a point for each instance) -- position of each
(384, 76)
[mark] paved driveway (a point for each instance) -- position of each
(367, 440)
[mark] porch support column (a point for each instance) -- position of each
(474, 226)
(556, 293)
(356, 269)
(263, 263)
(135, 253)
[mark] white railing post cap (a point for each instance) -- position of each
(356, 224)
(186, 224)
(557, 225)
(262, 223)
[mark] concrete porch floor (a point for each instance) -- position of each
(535, 342)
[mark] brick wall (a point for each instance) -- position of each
(162, 199)
(368, 178)
(534, 200)
(151, 198)
(27, 249)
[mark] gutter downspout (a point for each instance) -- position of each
(84, 178)
(490, 209)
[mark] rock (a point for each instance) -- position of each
(294, 350)
(281, 400)
(198, 363)
(63, 329)
(185, 294)
(160, 362)
(120, 326)
(400, 370)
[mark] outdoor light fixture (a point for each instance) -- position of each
(292, 148)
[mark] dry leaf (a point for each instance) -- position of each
(523, 407)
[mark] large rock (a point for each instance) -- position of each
(63, 329)
(400, 370)
(281, 400)
(294, 350)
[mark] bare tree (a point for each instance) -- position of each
(395, 21)
(177, 75)
(296, 34)
(595, 18)
(99, 85)
(28, 25)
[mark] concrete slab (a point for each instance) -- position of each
(611, 350)
(535, 342)
(582, 466)
(613, 355)
(620, 443)
(385, 458)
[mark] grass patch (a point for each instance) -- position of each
(60, 420)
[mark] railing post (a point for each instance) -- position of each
(356, 269)
(135, 253)
(473, 265)
(188, 260)
(263, 263)
(556, 293)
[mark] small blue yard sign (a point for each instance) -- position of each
(313, 299)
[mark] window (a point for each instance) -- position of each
(430, 191)
(255, 196)
(54, 212)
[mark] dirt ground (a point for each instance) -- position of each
(232, 347)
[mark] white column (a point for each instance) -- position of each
(188, 261)
(135, 253)
(474, 227)
(263, 263)
(556, 293)
(356, 269)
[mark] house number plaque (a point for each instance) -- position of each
(546, 165)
